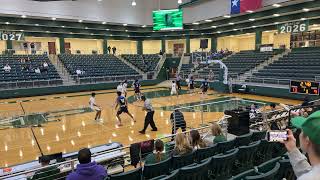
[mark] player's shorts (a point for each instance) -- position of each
(95, 108)
(173, 92)
(137, 90)
(123, 110)
(191, 86)
(205, 89)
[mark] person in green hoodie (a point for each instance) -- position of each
(47, 173)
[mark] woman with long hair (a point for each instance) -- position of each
(158, 155)
(182, 145)
(217, 133)
(196, 140)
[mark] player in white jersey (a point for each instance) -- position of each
(120, 88)
(124, 88)
(94, 106)
(174, 88)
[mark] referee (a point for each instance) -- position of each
(149, 117)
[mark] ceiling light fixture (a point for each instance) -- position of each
(253, 26)
(231, 23)
(80, 21)
(195, 23)
(86, 28)
(214, 26)
(179, 1)
(133, 3)
(251, 19)
(303, 19)
(24, 16)
(125, 24)
(53, 19)
(250, 11)
(235, 29)
(126, 30)
(276, 22)
(227, 16)
(208, 20)
(37, 24)
(305, 9)
(144, 26)
(219, 32)
(276, 15)
(104, 22)
(62, 26)
(276, 5)
(7, 23)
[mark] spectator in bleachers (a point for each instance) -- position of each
(26, 67)
(22, 60)
(182, 146)
(48, 173)
(114, 49)
(37, 70)
(272, 107)
(28, 60)
(217, 134)
(309, 144)
(196, 140)
(45, 65)
(7, 68)
(79, 72)
(109, 49)
(158, 155)
(87, 169)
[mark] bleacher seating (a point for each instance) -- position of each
(19, 77)
(146, 62)
(240, 62)
(300, 64)
(96, 65)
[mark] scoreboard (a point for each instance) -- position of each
(304, 87)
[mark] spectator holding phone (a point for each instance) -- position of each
(309, 143)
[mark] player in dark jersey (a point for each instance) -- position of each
(136, 85)
(204, 86)
(122, 102)
(191, 85)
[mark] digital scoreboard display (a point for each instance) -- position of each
(304, 87)
(167, 19)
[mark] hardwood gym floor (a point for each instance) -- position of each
(72, 132)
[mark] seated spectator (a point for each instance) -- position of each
(86, 169)
(158, 155)
(26, 67)
(309, 143)
(217, 134)
(37, 70)
(27, 60)
(79, 72)
(45, 65)
(273, 107)
(7, 68)
(196, 140)
(182, 146)
(22, 60)
(46, 173)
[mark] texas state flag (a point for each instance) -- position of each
(240, 6)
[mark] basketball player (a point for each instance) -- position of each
(174, 89)
(119, 88)
(204, 86)
(94, 106)
(191, 85)
(122, 102)
(136, 85)
(124, 88)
